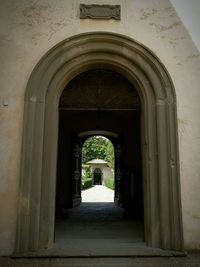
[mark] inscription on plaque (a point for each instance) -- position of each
(100, 11)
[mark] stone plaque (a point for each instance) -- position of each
(100, 11)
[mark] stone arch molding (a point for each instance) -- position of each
(35, 223)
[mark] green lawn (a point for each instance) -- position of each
(109, 182)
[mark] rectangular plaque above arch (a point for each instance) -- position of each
(100, 12)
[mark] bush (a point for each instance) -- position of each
(87, 183)
(109, 182)
(87, 172)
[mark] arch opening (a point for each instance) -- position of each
(97, 162)
(160, 163)
(100, 101)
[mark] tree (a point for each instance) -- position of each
(98, 147)
(110, 154)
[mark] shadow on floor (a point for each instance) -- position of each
(98, 220)
(97, 229)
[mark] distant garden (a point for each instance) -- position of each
(97, 147)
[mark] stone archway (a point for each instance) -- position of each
(35, 223)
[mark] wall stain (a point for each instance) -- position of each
(148, 13)
(44, 20)
(182, 124)
(187, 59)
(162, 13)
(162, 28)
(34, 15)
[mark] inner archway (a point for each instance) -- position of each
(162, 206)
(98, 162)
(100, 100)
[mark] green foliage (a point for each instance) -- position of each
(87, 183)
(109, 182)
(98, 147)
(110, 154)
(87, 172)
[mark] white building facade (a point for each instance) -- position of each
(29, 30)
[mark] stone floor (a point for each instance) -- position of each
(96, 234)
(191, 260)
(97, 228)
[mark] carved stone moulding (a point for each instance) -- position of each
(160, 154)
(100, 11)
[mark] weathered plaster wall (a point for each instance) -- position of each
(29, 28)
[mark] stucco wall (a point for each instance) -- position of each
(30, 28)
(189, 14)
(106, 171)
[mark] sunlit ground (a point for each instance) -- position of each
(98, 193)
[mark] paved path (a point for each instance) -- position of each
(98, 193)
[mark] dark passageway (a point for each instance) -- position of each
(93, 102)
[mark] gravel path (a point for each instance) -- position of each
(98, 193)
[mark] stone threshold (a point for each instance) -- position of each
(97, 249)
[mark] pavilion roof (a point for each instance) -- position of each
(98, 161)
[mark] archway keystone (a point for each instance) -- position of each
(162, 205)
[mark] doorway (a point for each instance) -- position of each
(112, 107)
(97, 174)
(97, 162)
(160, 163)
(101, 100)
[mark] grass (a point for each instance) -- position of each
(109, 182)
